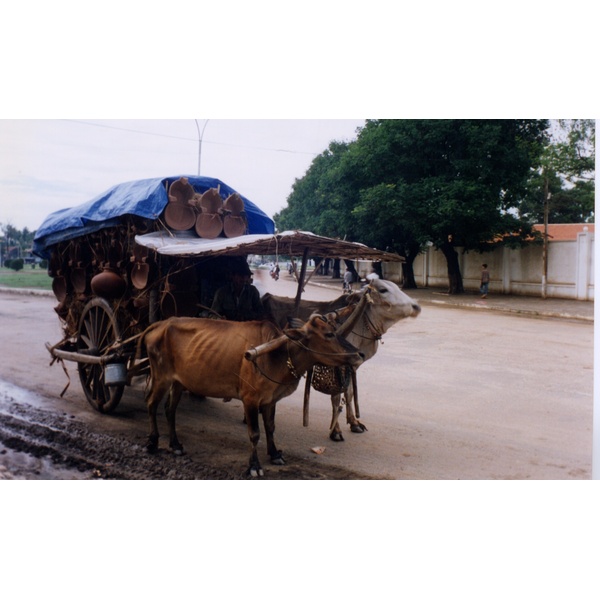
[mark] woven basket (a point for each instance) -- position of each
(331, 380)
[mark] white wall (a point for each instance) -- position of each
(570, 269)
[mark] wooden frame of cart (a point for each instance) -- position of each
(115, 276)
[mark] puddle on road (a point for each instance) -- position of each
(8, 391)
(22, 465)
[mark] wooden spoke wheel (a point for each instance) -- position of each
(98, 329)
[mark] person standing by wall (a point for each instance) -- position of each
(348, 279)
(485, 280)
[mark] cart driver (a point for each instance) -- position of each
(238, 300)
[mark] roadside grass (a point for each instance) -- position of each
(26, 278)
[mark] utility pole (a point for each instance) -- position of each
(200, 135)
(547, 196)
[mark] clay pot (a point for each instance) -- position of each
(62, 310)
(78, 280)
(209, 226)
(59, 287)
(211, 201)
(179, 216)
(140, 254)
(181, 191)
(234, 219)
(209, 223)
(139, 275)
(108, 284)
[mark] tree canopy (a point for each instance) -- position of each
(403, 183)
(567, 174)
(22, 237)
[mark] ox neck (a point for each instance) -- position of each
(298, 361)
(290, 364)
(370, 331)
(295, 368)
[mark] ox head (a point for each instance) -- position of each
(387, 304)
(320, 343)
(388, 294)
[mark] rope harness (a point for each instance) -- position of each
(290, 365)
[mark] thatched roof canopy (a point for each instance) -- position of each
(288, 243)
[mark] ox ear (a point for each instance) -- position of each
(295, 322)
(332, 318)
(295, 329)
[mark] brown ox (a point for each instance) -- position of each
(387, 305)
(207, 358)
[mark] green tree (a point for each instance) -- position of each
(566, 175)
(575, 149)
(315, 203)
(16, 264)
(403, 183)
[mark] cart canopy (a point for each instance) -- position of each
(287, 243)
(145, 198)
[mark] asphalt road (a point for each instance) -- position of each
(453, 394)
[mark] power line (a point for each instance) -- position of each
(187, 139)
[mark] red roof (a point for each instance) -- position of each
(565, 231)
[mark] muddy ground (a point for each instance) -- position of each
(454, 394)
(41, 444)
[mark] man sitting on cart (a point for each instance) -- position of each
(239, 300)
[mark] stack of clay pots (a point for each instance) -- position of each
(205, 213)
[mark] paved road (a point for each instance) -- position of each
(450, 395)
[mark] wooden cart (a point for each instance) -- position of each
(115, 277)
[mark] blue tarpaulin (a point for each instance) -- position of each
(145, 198)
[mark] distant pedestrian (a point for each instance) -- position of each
(348, 279)
(485, 280)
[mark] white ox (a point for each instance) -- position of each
(387, 305)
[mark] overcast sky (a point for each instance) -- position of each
(46, 165)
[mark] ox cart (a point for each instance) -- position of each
(148, 250)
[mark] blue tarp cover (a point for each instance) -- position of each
(145, 198)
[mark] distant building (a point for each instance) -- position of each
(565, 232)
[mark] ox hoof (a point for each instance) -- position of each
(277, 459)
(358, 428)
(336, 436)
(256, 472)
(177, 450)
(152, 446)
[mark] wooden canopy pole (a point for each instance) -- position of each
(301, 281)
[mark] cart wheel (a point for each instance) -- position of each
(98, 329)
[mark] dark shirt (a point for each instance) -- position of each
(245, 307)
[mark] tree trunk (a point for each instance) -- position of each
(336, 269)
(376, 266)
(408, 274)
(411, 252)
(455, 282)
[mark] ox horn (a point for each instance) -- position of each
(346, 327)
